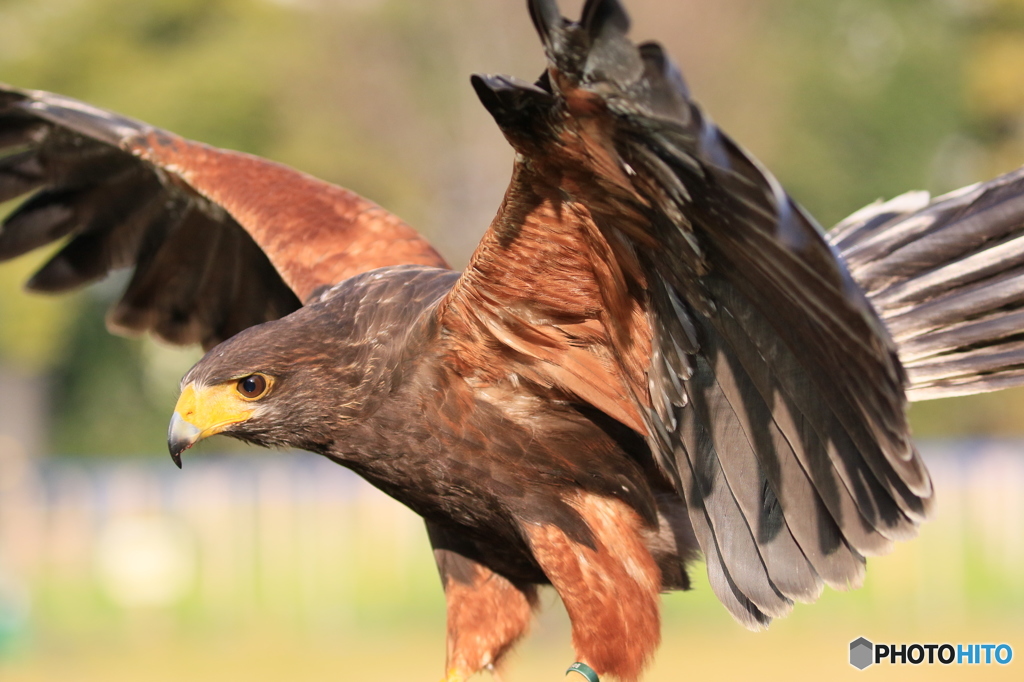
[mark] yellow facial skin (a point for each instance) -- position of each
(203, 411)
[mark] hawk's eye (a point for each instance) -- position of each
(252, 386)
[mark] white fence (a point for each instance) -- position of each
(294, 536)
(289, 535)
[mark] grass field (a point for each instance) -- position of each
(283, 569)
(812, 648)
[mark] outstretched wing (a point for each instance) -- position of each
(219, 240)
(947, 277)
(645, 264)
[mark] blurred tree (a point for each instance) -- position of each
(33, 331)
(874, 93)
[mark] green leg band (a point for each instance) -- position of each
(585, 670)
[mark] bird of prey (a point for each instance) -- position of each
(653, 355)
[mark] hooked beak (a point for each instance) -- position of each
(203, 411)
(181, 435)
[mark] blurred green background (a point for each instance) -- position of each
(115, 566)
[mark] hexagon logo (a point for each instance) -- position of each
(862, 653)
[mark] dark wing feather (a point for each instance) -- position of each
(644, 263)
(219, 240)
(947, 277)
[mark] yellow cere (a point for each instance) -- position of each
(211, 409)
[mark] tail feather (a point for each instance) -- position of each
(992, 261)
(980, 361)
(968, 333)
(947, 277)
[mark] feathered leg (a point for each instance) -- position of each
(610, 590)
(487, 613)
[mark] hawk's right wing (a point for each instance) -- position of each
(219, 240)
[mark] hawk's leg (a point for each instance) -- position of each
(611, 591)
(487, 614)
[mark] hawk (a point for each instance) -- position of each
(654, 354)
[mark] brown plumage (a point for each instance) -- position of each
(653, 353)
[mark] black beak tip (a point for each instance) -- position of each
(181, 435)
